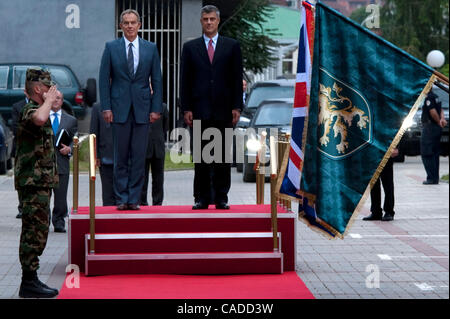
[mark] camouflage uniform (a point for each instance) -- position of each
(34, 176)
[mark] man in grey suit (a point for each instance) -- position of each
(103, 132)
(156, 152)
(127, 65)
(61, 120)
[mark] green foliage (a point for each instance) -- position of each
(359, 15)
(245, 25)
(417, 26)
(444, 70)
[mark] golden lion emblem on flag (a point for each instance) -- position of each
(338, 109)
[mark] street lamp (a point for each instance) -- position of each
(435, 59)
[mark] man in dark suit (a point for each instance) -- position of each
(156, 152)
(127, 65)
(16, 108)
(104, 142)
(211, 91)
(61, 120)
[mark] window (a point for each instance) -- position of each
(19, 76)
(259, 94)
(61, 77)
(274, 115)
(3, 77)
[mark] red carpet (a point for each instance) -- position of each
(285, 286)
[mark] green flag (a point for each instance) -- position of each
(362, 89)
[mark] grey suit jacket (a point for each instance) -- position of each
(69, 123)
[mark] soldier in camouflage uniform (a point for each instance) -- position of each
(34, 176)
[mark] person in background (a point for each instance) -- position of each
(16, 109)
(433, 121)
(104, 138)
(156, 152)
(387, 178)
(61, 120)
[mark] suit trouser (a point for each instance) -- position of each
(106, 176)
(157, 167)
(130, 141)
(387, 178)
(60, 208)
(430, 143)
(35, 223)
(215, 174)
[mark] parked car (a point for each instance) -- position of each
(273, 117)
(76, 98)
(260, 92)
(410, 145)
(6, 145)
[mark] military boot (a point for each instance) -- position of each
(32, 287)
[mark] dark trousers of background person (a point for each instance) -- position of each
(106, 176)
(213, 179)
(430, 143)
(387, 179)
(130, 145)
(157, 167)
(60, 209)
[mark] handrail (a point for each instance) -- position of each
(92, 167)
(75, 174)
(273, 186)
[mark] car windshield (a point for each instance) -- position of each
(262, 93)
(277, 114)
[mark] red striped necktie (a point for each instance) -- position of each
(210, 50)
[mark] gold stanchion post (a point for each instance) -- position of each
(75, 174)
(260, 170)
(92, 167)
(273, 185)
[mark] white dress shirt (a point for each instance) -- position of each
(52, 118)
(214, 38)
(135, 51)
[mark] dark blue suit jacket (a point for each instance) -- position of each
(119, 90)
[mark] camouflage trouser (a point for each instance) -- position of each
(35, 223)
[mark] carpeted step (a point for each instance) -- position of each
(183, 253)
(252, 262)
(183, 242)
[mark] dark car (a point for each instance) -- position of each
(273, 117)
(264, 90)
(410, 145)
(6, 145)
(76, 98)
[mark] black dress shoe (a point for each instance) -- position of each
(200, 205)
(60, 230)
(122, 207)
(134, 207)
(222, 205)
(387, 217)
(36, 289)
(373, 217)
(19, 215)
(427, 182)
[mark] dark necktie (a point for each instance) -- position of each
(130, 59)
(210, 50)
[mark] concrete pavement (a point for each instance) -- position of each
(406, 258)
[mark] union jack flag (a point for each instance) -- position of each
(293, 170)
(289, 185)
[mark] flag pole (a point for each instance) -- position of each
(441, 76)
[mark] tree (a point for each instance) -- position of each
(417, 26)
(245, 25)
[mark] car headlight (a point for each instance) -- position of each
(408, 123)
(253, 145)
